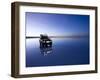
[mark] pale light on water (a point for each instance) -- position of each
(64, 52)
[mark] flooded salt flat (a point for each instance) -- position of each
(67, 51)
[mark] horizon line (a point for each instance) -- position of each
(71, 36)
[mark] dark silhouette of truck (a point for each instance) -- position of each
(45, 41)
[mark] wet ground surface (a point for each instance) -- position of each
(67, 51)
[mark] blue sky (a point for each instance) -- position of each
(56, 24)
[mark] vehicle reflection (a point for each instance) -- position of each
(45, 50)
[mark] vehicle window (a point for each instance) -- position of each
(44, 37)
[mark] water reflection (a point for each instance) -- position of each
(46, 50)
(63, 52)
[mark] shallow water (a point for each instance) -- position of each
(64, 51)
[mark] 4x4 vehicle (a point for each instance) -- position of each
(45, 41)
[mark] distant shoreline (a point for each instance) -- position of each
(75, 36)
